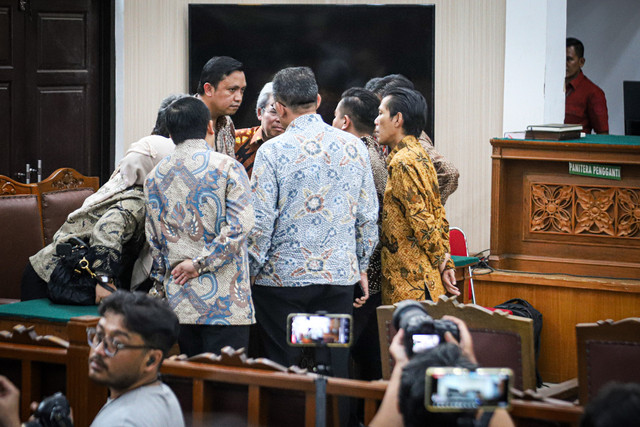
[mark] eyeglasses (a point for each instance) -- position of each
(111, 345)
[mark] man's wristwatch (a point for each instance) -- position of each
(198, 264)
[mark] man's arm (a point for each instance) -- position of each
(238, 223)
(9, 403)
(597, 112)
(447, 173)
(264, 186)
(366, 220)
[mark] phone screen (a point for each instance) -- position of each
(423, 342)
(311, 329)
(457, 389)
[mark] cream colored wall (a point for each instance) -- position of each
(468, 87)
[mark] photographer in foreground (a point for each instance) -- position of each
(404, 401)
(132, 338)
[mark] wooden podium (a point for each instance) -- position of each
(570, 243)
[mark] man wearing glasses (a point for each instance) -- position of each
(250, 139)
(132, 338)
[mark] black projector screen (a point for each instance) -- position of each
(345, 46)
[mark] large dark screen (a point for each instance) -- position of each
(344, 45)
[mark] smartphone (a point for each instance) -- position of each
(304, 329)
(458, 389)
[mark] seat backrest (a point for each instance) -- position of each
(9, 187)
(499, 340)
(607, 351)
(57, 205)
(21, 237)
(458, 242)
(61, 193)
(65, 179)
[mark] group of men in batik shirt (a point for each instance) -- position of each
(302, 235)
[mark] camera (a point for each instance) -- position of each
(53, 411)
(421, 331)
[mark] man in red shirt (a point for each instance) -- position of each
(585, 102)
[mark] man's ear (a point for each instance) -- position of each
(346, 122)
(210, 128)
(153, 360)
(581, 61)
(259, 113)
(319, 101)
(398, 120)
(280, 109)
(208, 89)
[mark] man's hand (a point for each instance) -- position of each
(466, 343)
(9, 403)
(184, 271)
(102, 293)
(364, 282)
(397, 350)
(449, 281)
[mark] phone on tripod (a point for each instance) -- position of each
(312, 330)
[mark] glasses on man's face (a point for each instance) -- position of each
(271, 109)
(110, 345)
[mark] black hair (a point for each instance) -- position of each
(577, 45)
(412, 384)
(413, 107)
(295, 87)
(216, 69)
(187, 118)
(615, 405)
(152, 318)
(361, 106)
(160, 127)
(380, 85)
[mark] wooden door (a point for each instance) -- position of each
(53, 83)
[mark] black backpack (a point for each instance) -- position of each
(522, 308)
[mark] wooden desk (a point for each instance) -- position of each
(544, 219)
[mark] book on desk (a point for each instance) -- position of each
(554, 131)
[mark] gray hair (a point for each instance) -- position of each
(265, 93)
(295, 87)
(160, 127)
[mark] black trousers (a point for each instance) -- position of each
(197, 339)
(273, 305)
(365, 350)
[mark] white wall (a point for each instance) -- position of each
(610, 32)
(534, 63)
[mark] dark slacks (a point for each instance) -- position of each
(273, 305)
(197, 339)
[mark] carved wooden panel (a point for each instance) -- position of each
(21, 334)
(585, 210)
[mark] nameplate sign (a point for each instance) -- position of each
(595, 170)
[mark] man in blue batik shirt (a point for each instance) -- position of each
(316, 210)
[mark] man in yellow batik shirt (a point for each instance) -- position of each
(415, 233)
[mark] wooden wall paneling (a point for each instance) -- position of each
(564, 301)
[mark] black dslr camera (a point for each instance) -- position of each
(53, 411)
(421, 331)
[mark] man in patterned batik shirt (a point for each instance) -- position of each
(199, 214)
(415, 232)
(221, 88)
(250, 139)
(355, 114)
(316, 211)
